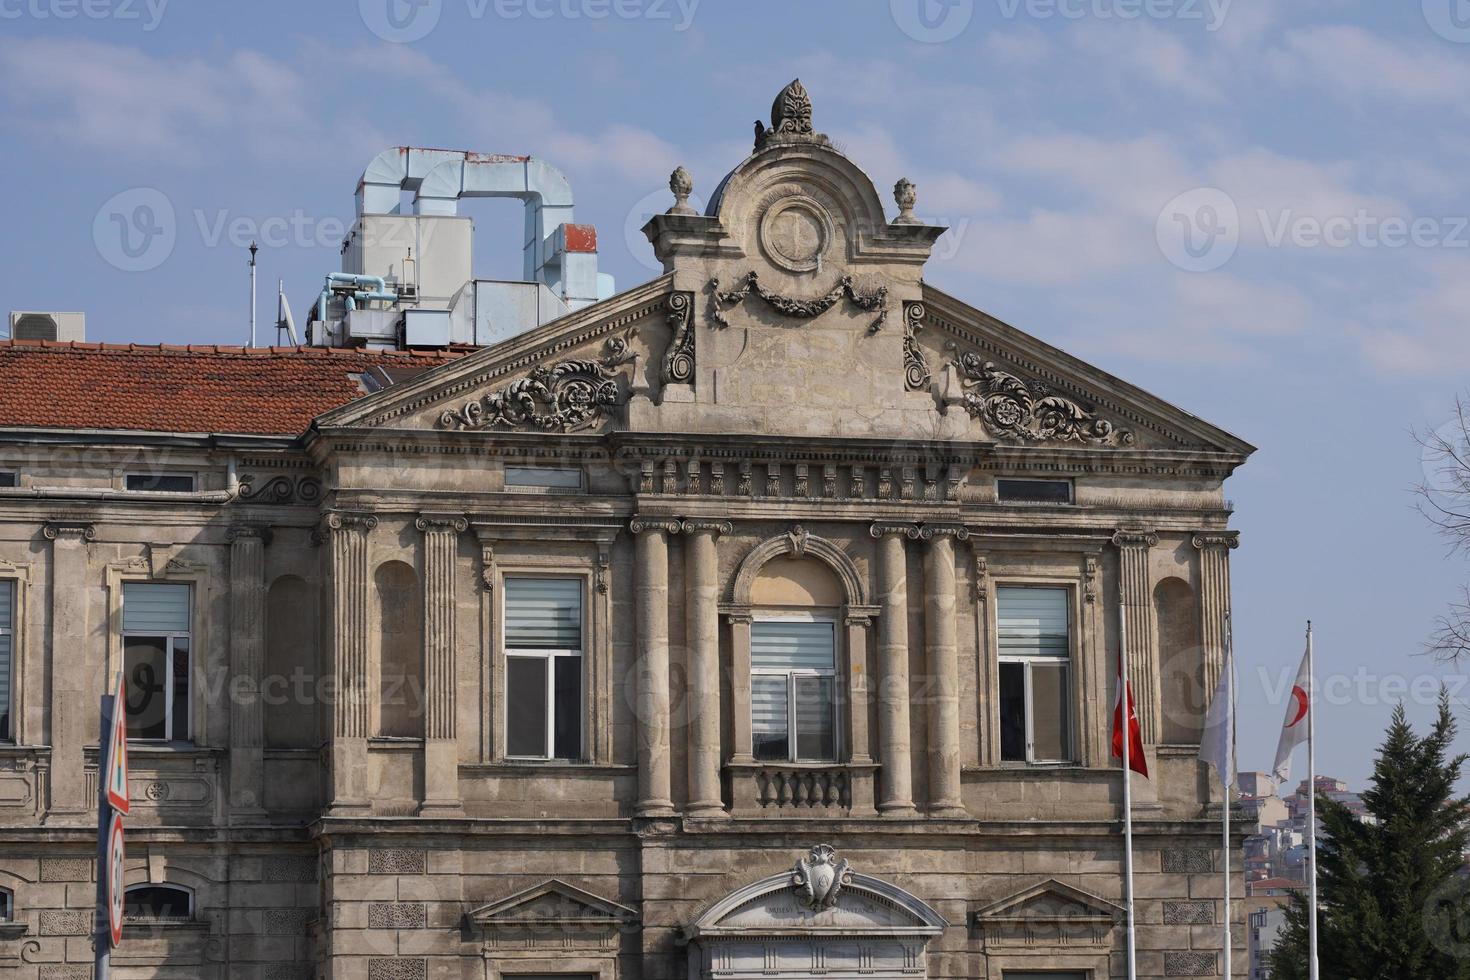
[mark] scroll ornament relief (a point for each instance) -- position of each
(1029, 410)
(678, 367)
(869, 301)
(565, 397)
(916, 374)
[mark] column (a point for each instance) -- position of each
(1136, 597)
(896, 782)
(75, 694)
(441, 746)
(742, 752)
(351, 709)
(941, 643)
(702, 636)
(651, 561)
(247, 666)
(1214, 598)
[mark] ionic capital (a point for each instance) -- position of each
(1229, 540)
(706, 525)
(248, 532)
(341, 521)
(881, 529)
(77, 530)
(455, 523)
(642, 525)
(957, 531)
(1135, 538)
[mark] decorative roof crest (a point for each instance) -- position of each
(791, 119)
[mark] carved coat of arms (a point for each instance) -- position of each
(819, 878)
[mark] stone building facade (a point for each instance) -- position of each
(760, 621)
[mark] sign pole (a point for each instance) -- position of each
(102, 933)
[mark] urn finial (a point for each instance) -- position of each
(906, 193)
(682, 185)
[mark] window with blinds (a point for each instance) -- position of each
(156, 659)
(7, 657)
(793, 691)
(1033, 630)
(543, 668)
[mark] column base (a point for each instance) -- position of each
(949, 811)
(350, 808)
(898, 811)
(655, 808)
(441, 808)
(706, 811)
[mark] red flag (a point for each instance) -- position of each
(1137, 761)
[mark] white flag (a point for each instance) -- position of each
(1217, 741)
(1294, 731)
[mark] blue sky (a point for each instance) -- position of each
(1313, 152)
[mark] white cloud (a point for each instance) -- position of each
(1351, 62)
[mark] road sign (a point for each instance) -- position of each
(117, 754)
(115, 881)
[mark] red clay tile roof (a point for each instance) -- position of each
(167, 388)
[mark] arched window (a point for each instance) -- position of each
(400, 651)
(292, 667)
(1183, 697)
(158, 903)
(794, 662)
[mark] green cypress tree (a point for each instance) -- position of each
(1393, 904)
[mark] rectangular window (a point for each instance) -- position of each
(156, 658)
(161, 482)
(1034, 491)
(8, 480)
(793, 688)
(1035, 675)
(7, 657)
(543, 668)
(532, 478)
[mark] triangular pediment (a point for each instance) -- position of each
(1050, 901)
(552, 903)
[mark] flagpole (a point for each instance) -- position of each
(1312, 810)
(1127, 727)
(1225, 786)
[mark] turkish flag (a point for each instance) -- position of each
(1137, 761)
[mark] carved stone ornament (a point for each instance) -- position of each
(281, 490)
(1030, 411)
(802, 309)
(906, 193)
(916, 374)
(791, 119)
(819, 878)
(682, 185)
(567, 396)
(678, 367)
(880, 529)
(799, 537)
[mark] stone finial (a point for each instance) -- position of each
(906, 193)
(791, 119)
(682, 185)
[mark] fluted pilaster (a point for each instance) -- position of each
(351, 617)
(1214, 598)
(441, 771)
(1136, 594)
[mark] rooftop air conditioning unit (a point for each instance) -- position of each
(29, 325)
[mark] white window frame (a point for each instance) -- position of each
(1068, 663)
(169, 639)
(549, 656)
(791, 677)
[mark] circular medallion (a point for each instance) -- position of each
(795, 234)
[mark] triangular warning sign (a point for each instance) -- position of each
(117, 750)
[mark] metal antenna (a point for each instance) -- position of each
(253, 249)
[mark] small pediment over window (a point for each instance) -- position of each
(552, 905)
(1048, 913)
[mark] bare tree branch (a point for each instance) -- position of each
(1444, 501)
